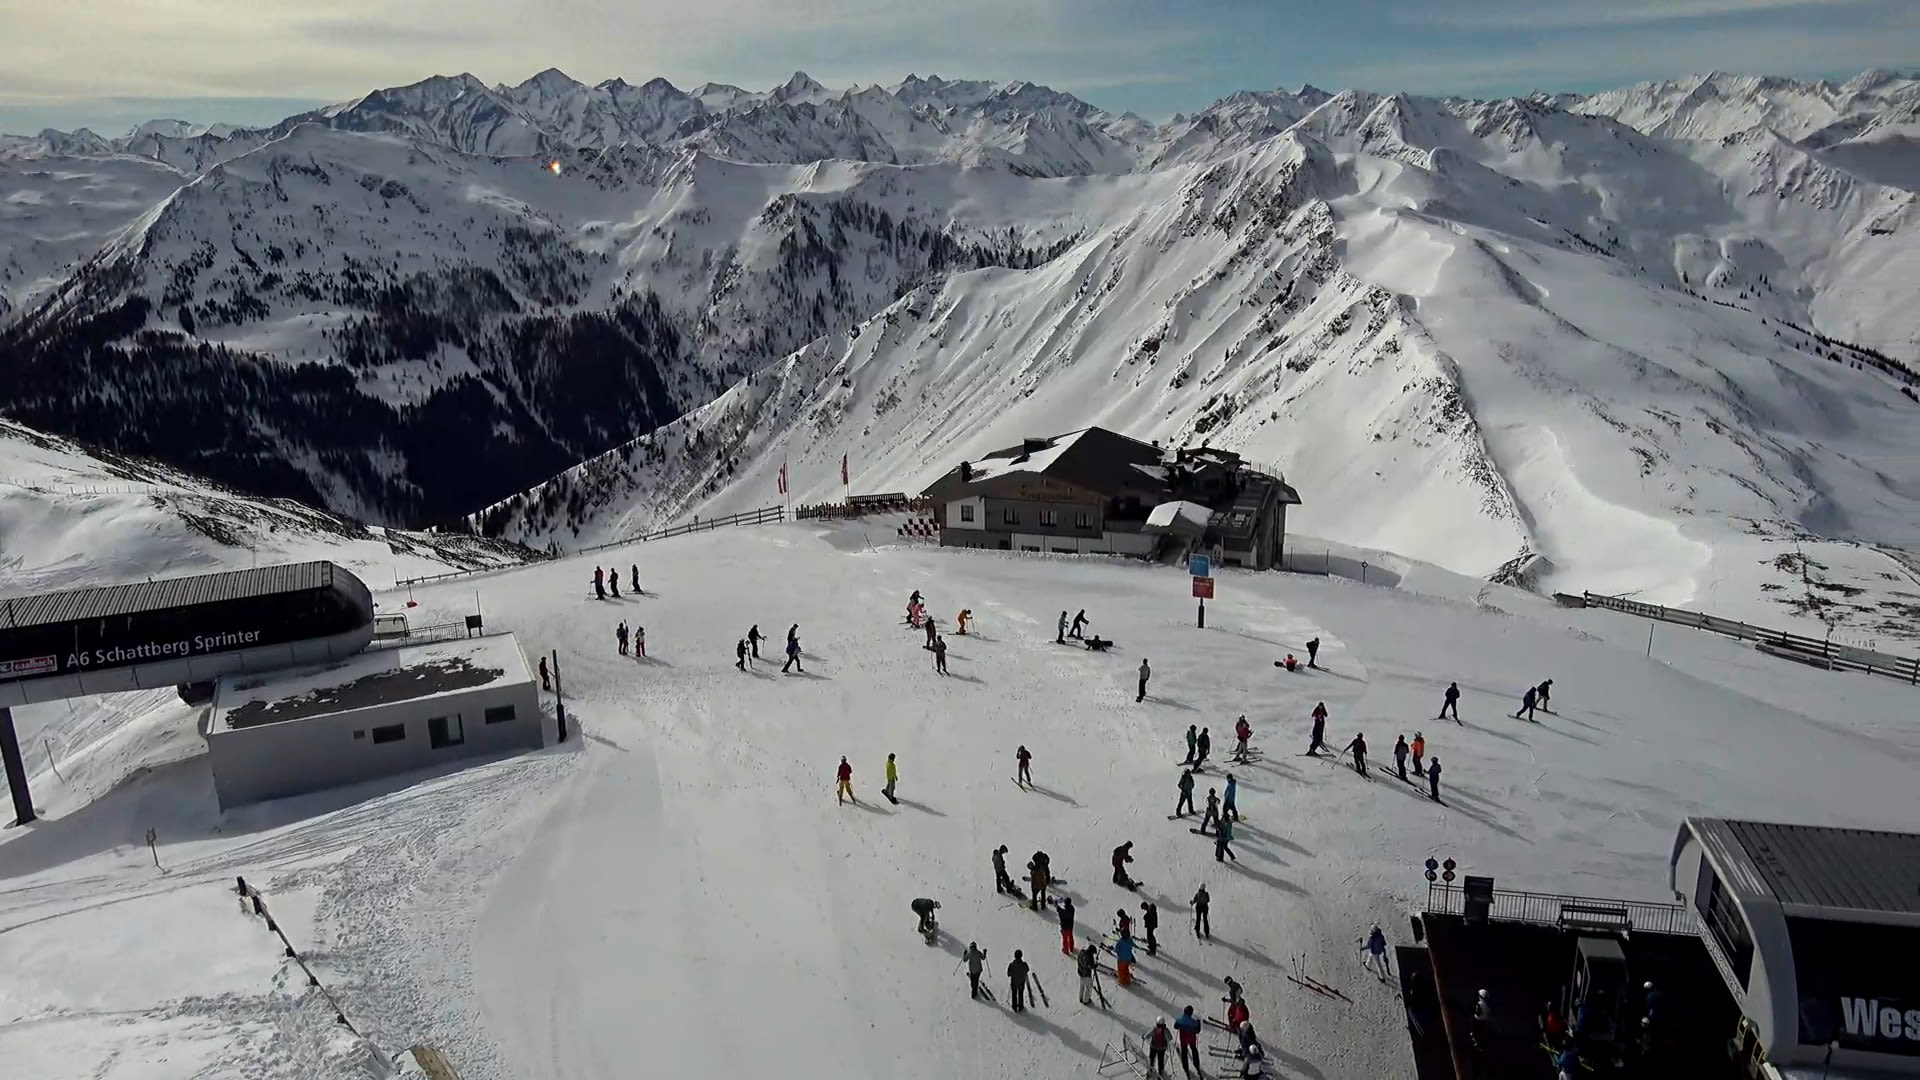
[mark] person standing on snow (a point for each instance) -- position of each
(1079, 624)
(1150, 921)
(1002, 881)
(1157, 1041)
(637, 590)
(1223, 842)
(976, 960)
(1212, 816)
(1065, 907)
(1400, 755)
(1206, 747)
(1038, 877)
(1017, 981)
(1433, 779)
(1227, 799)
(546, 681)
(1419, 749)
(1122, 923)
(1060, 631)
(960, 621)
(1376, 957)
(1546, 693)
(640, 641)
(1085, 964)
(620, 635)
(1123, 960)
(754, 638)
(1123, 855)
(1359, 748)
(1242, 732)
(1313, 653)
(613, 582)
(1145, 674)
(1023, 760)
(933, 631)
(1188, 1026)
(1185, 805)
(1202, 926)
(1450, 704)
(740, 654)
(1193, 743)
(940, 655)
(599, 583)
(1526, 705)
(793, 651)
(1319, 730)
(845, 776)
(893, 777)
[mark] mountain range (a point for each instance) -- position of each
(1644, 340)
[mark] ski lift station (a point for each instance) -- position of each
(217, 636)
(1817, 934)
(380, 712)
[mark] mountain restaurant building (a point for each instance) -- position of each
(1817, 934)
(1095, 491)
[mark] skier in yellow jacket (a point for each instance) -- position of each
(893, 777)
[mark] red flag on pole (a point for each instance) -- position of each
(843, 468)
(783, 478)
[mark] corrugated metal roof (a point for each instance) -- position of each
(1849, 869)
(79, 604)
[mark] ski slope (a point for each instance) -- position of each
(677, 887)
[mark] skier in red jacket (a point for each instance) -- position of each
(845, 775)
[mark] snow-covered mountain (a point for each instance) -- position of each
(1566, 340)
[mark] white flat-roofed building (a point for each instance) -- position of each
(375, 714)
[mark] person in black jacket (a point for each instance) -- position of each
(754, 637)
(1017, 981)
(1123, 855)
(1066, 924)
(740, 654)
(1202, 926)
(1150, 921)
(1359, 748)
(1313, 651)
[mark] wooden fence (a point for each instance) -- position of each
(764, 516)
(1778, 642)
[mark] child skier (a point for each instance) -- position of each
(740, 654)
(1376, 955)
(845, 776)
(1065, 907)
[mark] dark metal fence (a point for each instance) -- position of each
(1549, 909)
(763, 516)
(857, 506)
(1795, 646)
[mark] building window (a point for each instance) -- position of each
(1722, 919)
(1049, 518)
(1009, 516)
(445, 731)
(1083, 519)
(390, 733)
(499, 714)
(966, 512)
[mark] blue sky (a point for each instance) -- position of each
(108, 63)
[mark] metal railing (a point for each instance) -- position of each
(1548, 909)
(1832, 655)
(857, 506)
(763, 516)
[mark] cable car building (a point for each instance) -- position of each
(1817, 933)
(179, 631)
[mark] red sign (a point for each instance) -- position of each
(37, 665)
(1203, 588)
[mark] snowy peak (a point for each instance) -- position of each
(800, 89)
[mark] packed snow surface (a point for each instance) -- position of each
(676, 885)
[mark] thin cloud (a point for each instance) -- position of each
(1600, 14)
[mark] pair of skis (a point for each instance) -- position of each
(1305, 981)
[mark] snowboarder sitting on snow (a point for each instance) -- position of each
(1123, 855)
(925, 908)
(1079, 624)
(1290, 663)
(1096, 643)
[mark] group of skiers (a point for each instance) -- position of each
(747, 649)
(609, 579)
(1358, 748)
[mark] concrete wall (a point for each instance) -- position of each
(274, 761)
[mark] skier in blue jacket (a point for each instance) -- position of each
(1188, 1027)
(1123, 960)
(1226, 799)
